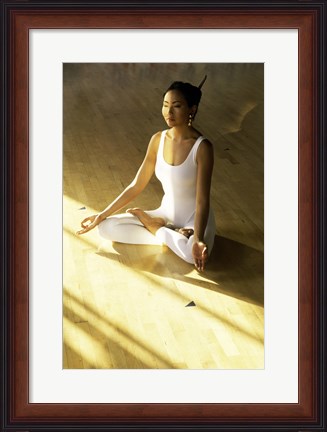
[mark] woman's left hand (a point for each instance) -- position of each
(200, 255)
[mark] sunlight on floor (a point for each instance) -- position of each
(125, 307)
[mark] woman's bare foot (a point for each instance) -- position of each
(152, 224)
(187, 232)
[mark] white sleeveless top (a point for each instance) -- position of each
(179, 185)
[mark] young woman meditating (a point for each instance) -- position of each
(182, 159)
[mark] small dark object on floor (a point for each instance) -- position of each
(82, 208)
(191, 304)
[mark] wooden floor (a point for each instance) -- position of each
(125, 306)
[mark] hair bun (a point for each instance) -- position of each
(191, 93)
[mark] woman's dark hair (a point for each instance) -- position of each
(191, 93)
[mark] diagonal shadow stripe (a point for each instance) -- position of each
(113, 327)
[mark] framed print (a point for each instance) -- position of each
(73, 75)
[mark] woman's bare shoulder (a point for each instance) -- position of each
(156, 136)
(205, 150)
(207, 143)
(155, 139)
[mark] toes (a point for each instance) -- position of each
(187, 232)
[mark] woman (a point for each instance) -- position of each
(182, 160)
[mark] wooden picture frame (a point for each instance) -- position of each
(309, 18)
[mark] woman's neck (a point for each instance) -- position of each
(181, 132)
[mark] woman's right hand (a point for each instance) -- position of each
(200, 255)
(89, 223)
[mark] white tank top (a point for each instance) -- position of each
(179, 185)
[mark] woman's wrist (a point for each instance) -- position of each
(198, 238)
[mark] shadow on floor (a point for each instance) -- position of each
(234, 269)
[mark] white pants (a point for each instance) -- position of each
(127, 228)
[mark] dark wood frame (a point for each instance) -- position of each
(17, 18)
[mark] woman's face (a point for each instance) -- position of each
(175, 109)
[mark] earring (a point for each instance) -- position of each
(190, 119)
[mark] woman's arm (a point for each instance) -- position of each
(140, 181)
(205, 160)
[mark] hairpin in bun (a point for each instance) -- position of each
(202, 82)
